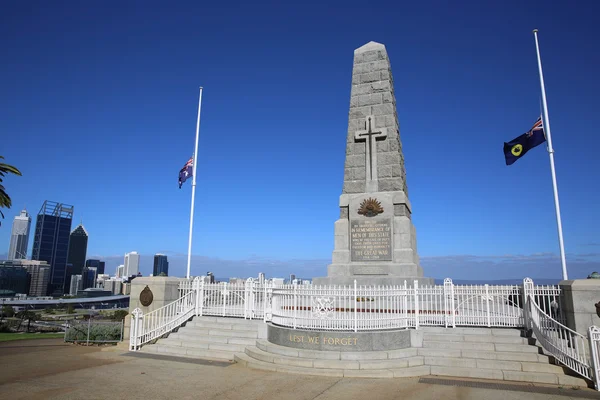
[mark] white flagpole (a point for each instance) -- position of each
(546, 123)
(189, 260)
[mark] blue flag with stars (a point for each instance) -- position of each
(519, 146)
(186, 172)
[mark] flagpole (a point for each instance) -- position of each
(546, 123)
(189, 260)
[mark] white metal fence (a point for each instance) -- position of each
(363, 308)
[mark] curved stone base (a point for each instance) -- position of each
(340, 341)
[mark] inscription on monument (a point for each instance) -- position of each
(371, 240)
(345, 341)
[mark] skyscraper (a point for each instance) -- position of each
(76, 284)
(120, 271)
(51, 242)
(78, 240)
(19, 237)
(161, 265)
(88, 277)
(132, 264)
(101, 266)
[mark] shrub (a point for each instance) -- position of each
(8, 311)
(119, 315)
(104, 332)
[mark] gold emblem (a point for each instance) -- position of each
(146, 296)
(370, 207)
(516, 150)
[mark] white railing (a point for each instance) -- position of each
(244, 300)
(594, 338)
(150, 326)
(346, 308)
(565, 345)
(363, 308)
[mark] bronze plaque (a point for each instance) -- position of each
(371, 240)
(146, 296)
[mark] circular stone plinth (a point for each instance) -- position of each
(338, 341)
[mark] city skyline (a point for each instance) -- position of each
(463, 87)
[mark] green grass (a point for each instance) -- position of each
(6, 337)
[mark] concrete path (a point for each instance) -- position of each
(50, 369)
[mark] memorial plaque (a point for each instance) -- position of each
(371, 240)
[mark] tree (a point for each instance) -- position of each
(70, 309)
(26, 315)
(7, 311)
(5, 201)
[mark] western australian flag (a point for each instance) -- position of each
(519, 146)
(186, 172)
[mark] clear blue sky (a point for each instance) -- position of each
(98, 110)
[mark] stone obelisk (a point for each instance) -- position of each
(375, 240)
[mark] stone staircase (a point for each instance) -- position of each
(214, 338)
(499, 354)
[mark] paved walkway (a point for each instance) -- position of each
(50, 369)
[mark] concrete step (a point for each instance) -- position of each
(201, 331)
(204, 345)
(334, 355)
(496, 374)
(508, 339)
(365, 363)
(187, 336)
(247, 361)
(494, 364)
(487, 355)
(189, 352)
(228, 320)
(503, 347)
(471, 331)
(238, 326)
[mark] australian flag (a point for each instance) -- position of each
(186, 172)
(519, 146)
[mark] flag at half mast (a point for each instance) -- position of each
(520, 145)
(186, 172)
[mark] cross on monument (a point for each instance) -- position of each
(370, 137)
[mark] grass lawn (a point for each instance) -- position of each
(5, 337)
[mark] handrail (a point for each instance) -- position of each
(567, 346)
(147, 327)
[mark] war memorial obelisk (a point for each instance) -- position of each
(375, 240)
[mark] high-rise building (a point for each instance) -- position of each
(93, 263)
(88, 276)
(19, 237)
(51, 242)
(101, 266)
(38, 275)
(78, 240)
(132, 264)
(14, 280)
(114, 285)
(292, 277)
(76, 284)
(161, 265)
(261, 278)
(120, 271)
